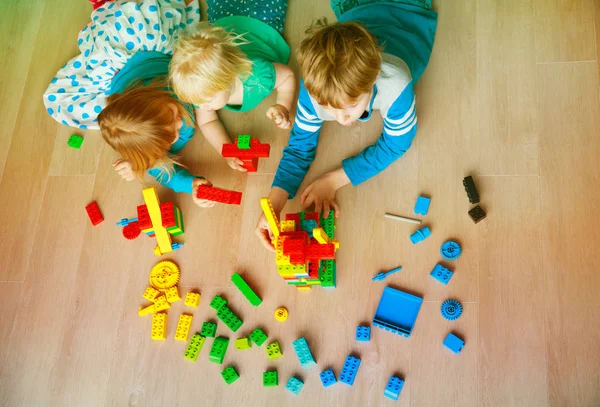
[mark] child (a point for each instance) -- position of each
(346, 76)
(233, 63)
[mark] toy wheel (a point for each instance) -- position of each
(451, 310)
(450, 250)
(281, 314)
(131, 231)
(164, 274)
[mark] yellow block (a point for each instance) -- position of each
(183, 327)
(150, 294)
(161, 303)
(288, 225)
(163, 238)
(192, 299)
(172, 294)
(336, 243)
(145, 311)
(319, 234)
(303, 288)
(270, 215)
(159, 326)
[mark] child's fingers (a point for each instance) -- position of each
(120, 166)
(318, 205)
(305, 193)
(326, 209)
(263, 236)
(336, 209)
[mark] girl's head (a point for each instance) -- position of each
(141, 124)
(339, 64)
(206, 64)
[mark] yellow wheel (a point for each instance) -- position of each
(164, 274)
(281, 314)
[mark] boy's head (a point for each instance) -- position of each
(205, 65)
(339, 64)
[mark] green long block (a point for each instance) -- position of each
(229, 318)
(327, 273)
(248, 292)
(328, 224)
(218, 302)
(218, 349)
(194, 347)
(258, 336)
(230, 375)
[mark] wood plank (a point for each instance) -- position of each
(48, 294)
(508, 140)
(568, 98)
(597, 29)
(511, 328)
(9, 302)
(564, 30)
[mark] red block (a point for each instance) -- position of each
(293, 246)
(251, 165)
(313, 269)
(293, 216)
(299, 234)
(131, 231)
(94, 213)
(144, 220)
(257, 150)
(297, 258)
(167, 214)
(320, 251)
(219, 195)
(312, 216)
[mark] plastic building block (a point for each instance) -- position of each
(229, 318)
(144, 219)
(242, 343)
(422, 205)
(194, 347)
(159, 326)
(218, 302)
(450, 250)
(192, 299)
(454, 343)
(218, 349)
(327, 273)
(250, 164)
(209, 329)
(163, 238)
(441, 274)
(451, 310)
(270, 379)
(124, 222)
(382, 275)
(75, 141)
(269, 212)
(258, 336)
(305, 358)
(393, 388)
(164, 274)
(161, 303)
(243, 142)
(219, 195)
(288, 226)
(320, 235)
(150, 294)
(420, 235)
(397, 311)
(172, 294)
(363, 333)
(94, 213)
(349, 370)
(273, 351)
(230, 375)
(145, 311)
(248, 292)
(294, 385)
(131, 231)
(477, 214)
(328, 378)
(308, 225)
(471, 189)
(256, 150)
(183, 327)
(281, 314)
(176, 246)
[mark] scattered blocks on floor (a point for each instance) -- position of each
(273, 351)
(328, 378)
(230, 375)
(303, 352)
(192, 299)
(258, 336)
(159, 326)
(93, 211)
(441, 274)
(151, 293)
(209, 329)
(161, 303)
(454, 343)
(229, 318)
(349, 370)
(422, 205)
(471, 189)
(393, 388)
(246, 290)
(218, 349)
(242, 343)
(450, 250)
(183, 327)
(294, 385)
(270, 379)
(172, 294)
(218, 302)
(420, 235)
(281, 314)
(363, 333)
(75, 141)
(451, 309)
(194, 347)
(477, 214)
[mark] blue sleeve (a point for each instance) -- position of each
(301, 149)
(399, 129)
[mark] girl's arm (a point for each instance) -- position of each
(215, 133)
(285, 84)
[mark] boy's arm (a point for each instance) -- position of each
(399, 129)
(285, 84)
(215, 133)
(180, 181)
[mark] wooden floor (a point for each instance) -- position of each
(511, 96)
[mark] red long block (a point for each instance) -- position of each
(144, 217)
(93, 211)
(320, 251)
(219, 195)
(299, 234)
(293, 246)
(257, 150)
(293, 216)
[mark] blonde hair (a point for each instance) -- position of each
(207, 62)
(339, 62)
(138, 124)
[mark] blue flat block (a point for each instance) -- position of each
(454, 343)
(397, 311)
(328, 378)
(393, 388)
(349, 370)
(441, 274)
(422, 205)
(363, 333)
(294, 385)
(420, 235)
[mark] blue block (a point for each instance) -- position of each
(303, 352)
(420, 235)
(393, 388)
(451, 309)
(441, 274)
(397, 311)
(294, 385)
(363, 333)
(454, 343)
(422, 205)
(328, 378)
(308, 226)
(349, 370)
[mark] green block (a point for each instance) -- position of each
(243, 142)
(75, 141)
(270, 379)
(194, 347)
(209, 329)
(230, 375)
(273, 351)
(327, 273)
(179, 219)
(328, 224)
(229, 318)
(258, 336)
(243, 343)
(248, 292)
(218, 349)
(218, 302)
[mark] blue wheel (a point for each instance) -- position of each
(451, 310)
(450, 250)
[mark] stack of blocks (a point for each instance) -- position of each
(303, 352)
(305, 247)
(248, 149)
(349, 370)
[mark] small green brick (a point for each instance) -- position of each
(75, 141)
(218, 349)
(258, 336)
(327, 273)
(230, 375)
(209, 329)
(229, 318)
(243, 142)
(194, 347)
(248, 292)
(270, 379)
(242, 343)
(273, 351)
(218, 302)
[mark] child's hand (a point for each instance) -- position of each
(203, 203)
(280, 116)
(236, 164)
(264, 233)
(123, 168)
(322, 194)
